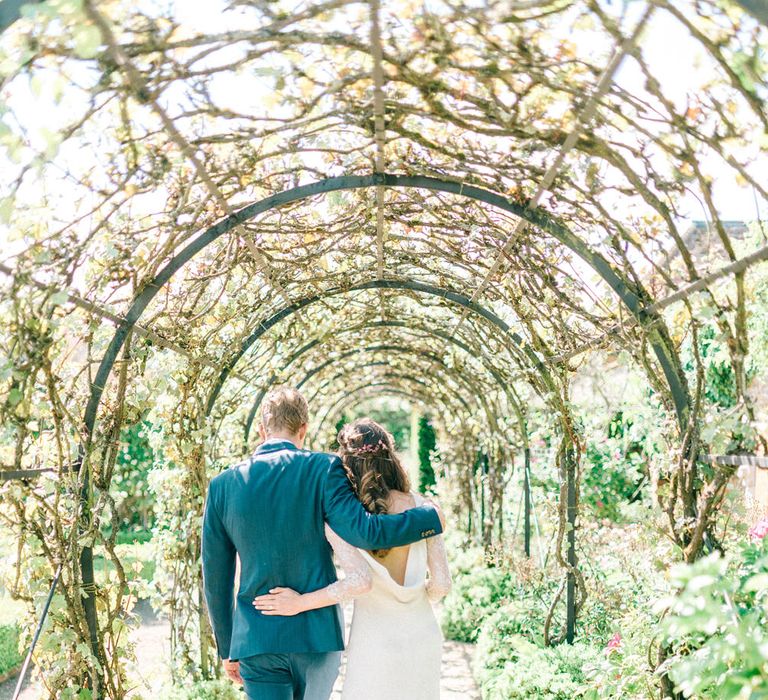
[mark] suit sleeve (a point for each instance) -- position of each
(353, 523)
(218, 574)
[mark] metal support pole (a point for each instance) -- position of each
(482, 494)
(570, 475)
(28, 660)
(486, 533)
(88, 581)
(542, 556)
(517, 517)
(527, 499)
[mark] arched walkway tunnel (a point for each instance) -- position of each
(362, 204)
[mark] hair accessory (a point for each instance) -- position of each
(370, 449)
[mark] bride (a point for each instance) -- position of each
(395, 642)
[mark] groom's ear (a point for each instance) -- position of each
(262, 432)
(302, 434)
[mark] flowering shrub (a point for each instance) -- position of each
(615, 643)
(759, 530)
(480, 590)
(614, 467)
(472, 599)
(623, 669)
(718, 624)
(511, 667)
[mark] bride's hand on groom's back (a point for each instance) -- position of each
(279, 601)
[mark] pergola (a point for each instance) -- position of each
(452, 202)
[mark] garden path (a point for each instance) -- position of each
(153, 649)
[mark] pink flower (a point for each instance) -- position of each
(615, 643)
(759, 530)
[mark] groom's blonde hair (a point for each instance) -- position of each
(284, 410)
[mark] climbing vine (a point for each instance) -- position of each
(132, 136)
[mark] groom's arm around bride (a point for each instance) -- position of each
(354, 524)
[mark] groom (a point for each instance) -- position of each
(271, 510)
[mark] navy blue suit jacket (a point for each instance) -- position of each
(271, 511)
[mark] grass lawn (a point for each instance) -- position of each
(11, 611)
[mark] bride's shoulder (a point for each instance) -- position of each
(404, 500)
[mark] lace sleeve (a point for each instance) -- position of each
(439, 583)
(357, 574)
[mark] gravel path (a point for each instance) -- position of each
(153, 648)
(7, 689)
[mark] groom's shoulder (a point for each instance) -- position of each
(323, 459)
(232, 471)
(226, 475)
(315, 457)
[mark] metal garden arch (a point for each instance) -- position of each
(538, 217)
(397, 324)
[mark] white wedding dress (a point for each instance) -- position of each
(395, 642)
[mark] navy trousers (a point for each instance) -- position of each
(290, 676)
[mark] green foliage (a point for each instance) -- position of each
(724, 429)
(395, 419)
(720, 380)
(623, 670)
(138, 558)
(205, 690)
(511, 661)
(480, 590)
(134, 500)
(758, 324)
(503, 609)
(133, 536)
(11, 611)
(474, 597)
(512, 667)
(176, 543)
(336, 429)
(721, 649)
(427, 447)
(10, 658)
(614, 469)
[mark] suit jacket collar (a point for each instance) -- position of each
(275, 444)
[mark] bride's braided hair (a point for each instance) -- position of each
(368, 454)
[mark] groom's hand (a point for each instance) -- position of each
(430, 502)
(232, 669)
